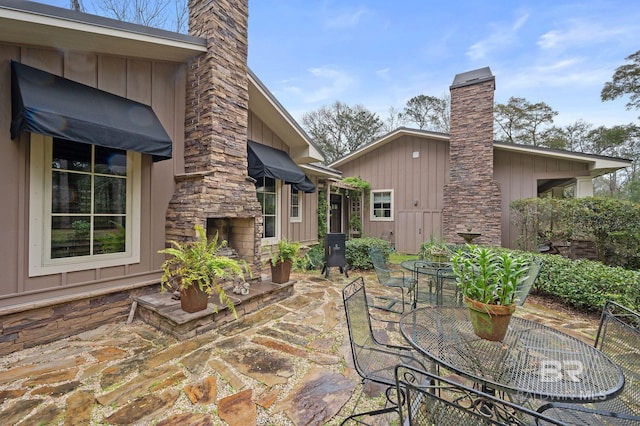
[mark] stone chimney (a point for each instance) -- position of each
(215, 190)
(472, 198)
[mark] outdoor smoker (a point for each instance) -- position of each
(335, 253)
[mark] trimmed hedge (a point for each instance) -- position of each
(586, 284)
(357, 251)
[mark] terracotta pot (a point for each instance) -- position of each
(489, 321)
(281, 272)
(192, 299)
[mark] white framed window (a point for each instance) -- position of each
(268, 191)
(381, 205)
(295, 206)
(84, 206)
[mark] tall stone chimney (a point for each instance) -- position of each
(472, 198)
(215, 190)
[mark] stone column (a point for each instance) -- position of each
(472, 197)
(215, 183)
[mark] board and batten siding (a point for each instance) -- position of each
(519, 173)
(417, 181)
(305, 231)
(156, 83)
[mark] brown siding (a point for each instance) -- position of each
(159, 84)
(422, 179)
(307, 230)
(518, 174)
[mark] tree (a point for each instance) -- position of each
(167, 14)
(622, 142)
(393, 121)
(428, 112)
(340, 129)
(572, 137)
(625, 81)
(521, 121)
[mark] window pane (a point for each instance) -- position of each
(110, 161)
(109, 234)
(269, 226)
(70, 236)
(269, 205)
(110, 195)
(70, 192)
(71, 155)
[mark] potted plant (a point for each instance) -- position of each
(197, 271)
(488, 281)
(282, 259)
(435, 251)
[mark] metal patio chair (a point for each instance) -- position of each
(374, 361)
(394, 279)
(618, 337)
(429, 399)
(525, 287)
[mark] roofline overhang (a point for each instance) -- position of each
(389, 137)
(323, 171)
(273, 114)
(599, 164)
(27, 22)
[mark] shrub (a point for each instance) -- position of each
(614, 225)
(313, 259)
(587, 285)
(357, 251)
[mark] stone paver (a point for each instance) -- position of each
(287, 364)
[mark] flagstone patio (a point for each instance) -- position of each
(287, 364)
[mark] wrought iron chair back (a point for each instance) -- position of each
(388, 278)
(619, 337)
(372, 359)
(433, 400)
(525, 287)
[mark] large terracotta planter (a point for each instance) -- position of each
(281, 272)
(489, 321)
(192, 299)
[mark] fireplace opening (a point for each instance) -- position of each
(239, 234)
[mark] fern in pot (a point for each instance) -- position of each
(197, 271)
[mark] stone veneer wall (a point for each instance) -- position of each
(215, 183)
(472, 196)
(38, 326)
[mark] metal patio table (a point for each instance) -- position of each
(438, 273)
(533, 360)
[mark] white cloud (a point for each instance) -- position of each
(384, 73)
(502, 35)
(581, 33)
(329, 83)
(346, 20)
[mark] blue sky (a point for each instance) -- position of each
(381, 53)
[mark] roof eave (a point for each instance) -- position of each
(268, 109)
(25, 22)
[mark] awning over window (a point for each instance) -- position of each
(54, 106)
(265, 161)
(306, 186)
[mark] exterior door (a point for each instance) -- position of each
(410, 232)
(335, 212)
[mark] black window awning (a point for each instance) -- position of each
(54, 106)
(306, 186)
(265, 161)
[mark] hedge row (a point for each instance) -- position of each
(586, 284)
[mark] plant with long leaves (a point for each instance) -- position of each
(484, 275)
(196, 263)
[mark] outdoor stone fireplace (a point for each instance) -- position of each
(215, 191)
(472, 198)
